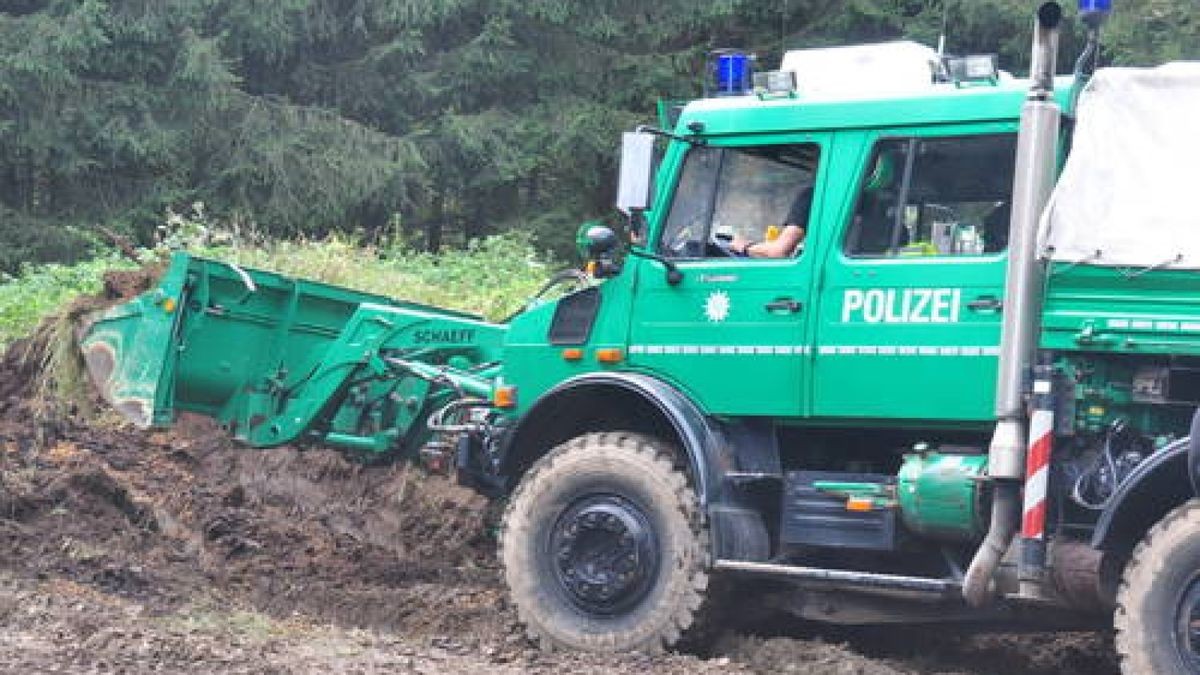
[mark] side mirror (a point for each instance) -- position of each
(597, 245)
(595, 241)
(637, 167)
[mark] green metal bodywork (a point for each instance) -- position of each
(279, 360)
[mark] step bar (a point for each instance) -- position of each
(846, 580)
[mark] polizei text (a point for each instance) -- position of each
(901, 305)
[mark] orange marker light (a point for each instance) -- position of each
(572, 354)
(591, 268)
(504, 397)
(859, 504)
(610, 355)
(168, 305)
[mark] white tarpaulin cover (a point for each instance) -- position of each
(1130, 192)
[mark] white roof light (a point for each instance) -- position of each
(876, 69)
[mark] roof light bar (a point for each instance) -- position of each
(775, 83)
(972, 69)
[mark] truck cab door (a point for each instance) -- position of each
(733, 332)
(909, 318)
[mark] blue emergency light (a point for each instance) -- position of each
(1094, 13)
(732, 72)
(1095, 6)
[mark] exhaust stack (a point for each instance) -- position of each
(1037, 147)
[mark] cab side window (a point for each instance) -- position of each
(737, 194)
(935, 197)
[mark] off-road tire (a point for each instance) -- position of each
(642, 470)
(1163, 566)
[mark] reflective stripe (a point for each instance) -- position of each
(724, 350)
(1187, 325)
(823, 350)
(1037, 474)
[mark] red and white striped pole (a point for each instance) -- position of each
(1037, 475)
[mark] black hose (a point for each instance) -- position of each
(571, 274)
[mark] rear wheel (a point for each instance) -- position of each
(604, 547)
(1158, 604)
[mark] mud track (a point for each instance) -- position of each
(130, 551)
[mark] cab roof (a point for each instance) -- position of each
(935, 104)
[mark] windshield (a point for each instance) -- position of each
(725, 192)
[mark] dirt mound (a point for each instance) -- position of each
(801, 657)
(913, 648)
(19, 366)
(280, 529)
(163, 516)
(124, 284)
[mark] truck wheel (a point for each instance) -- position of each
(1158, 604)
(604, 547)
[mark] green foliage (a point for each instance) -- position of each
(1147, 32)
(493, 276)
(39, 291)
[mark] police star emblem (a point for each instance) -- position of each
(716, 307)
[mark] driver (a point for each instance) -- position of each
(790, 236)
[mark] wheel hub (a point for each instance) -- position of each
(1187, 626)
(605, 554)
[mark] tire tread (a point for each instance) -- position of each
(1147, 563)
(685, 611)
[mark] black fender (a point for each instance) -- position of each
(549, 421)
(714, 450)
(1163, 481)
(1194, 452)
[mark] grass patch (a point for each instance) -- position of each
(39, 291)
(493, 277)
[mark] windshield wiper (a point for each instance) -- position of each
(655, 131)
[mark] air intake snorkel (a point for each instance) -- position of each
(1037, 147)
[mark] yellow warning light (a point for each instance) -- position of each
(859, 504)
(168, 305)
(505, 397)
(610, 355)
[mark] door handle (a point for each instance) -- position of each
(783, 306)
(986, 303)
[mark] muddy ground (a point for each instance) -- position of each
(130, 551)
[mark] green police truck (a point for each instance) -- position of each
(969, 393)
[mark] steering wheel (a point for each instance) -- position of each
(720, 245)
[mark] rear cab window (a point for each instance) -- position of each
(934, 197)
